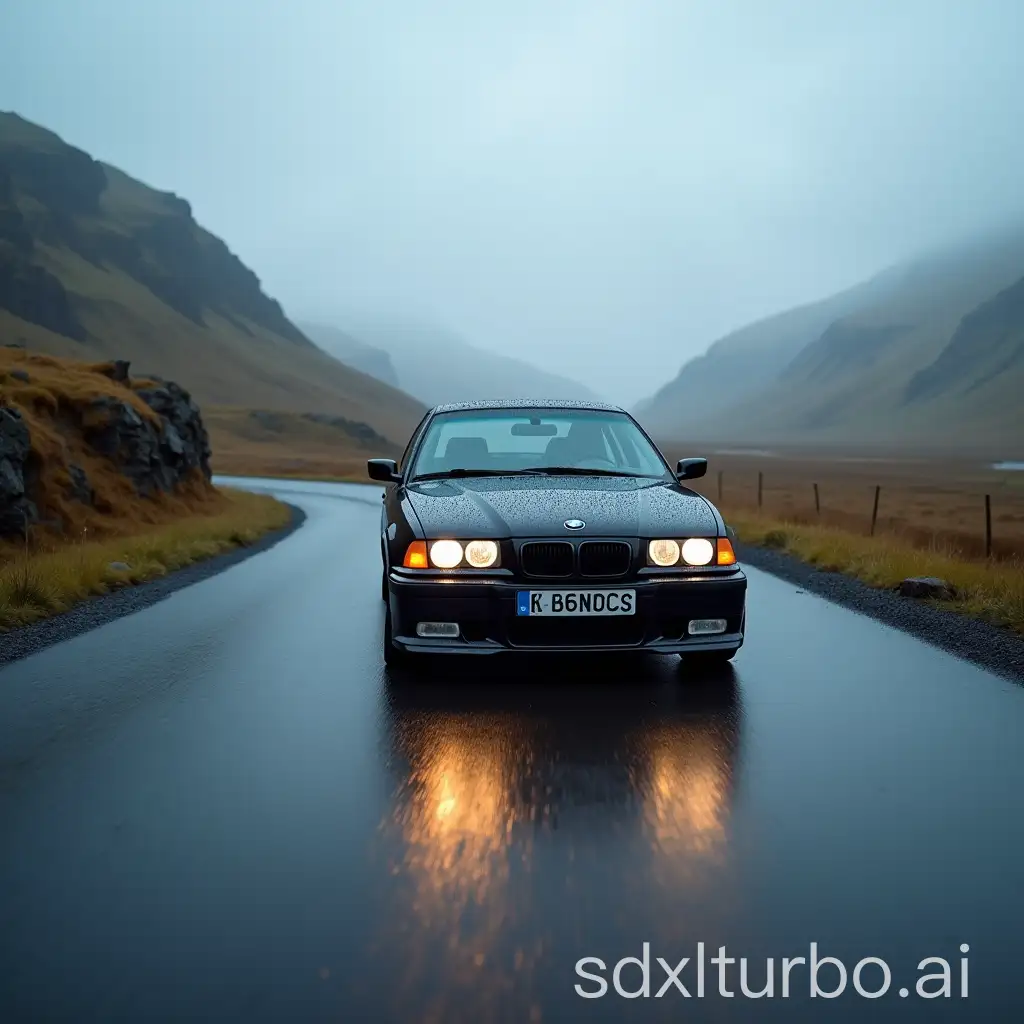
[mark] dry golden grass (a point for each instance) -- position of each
(991, 591)
(927, 503)
(55, 383)
(296, 448)
(43, 580)
(931, 519)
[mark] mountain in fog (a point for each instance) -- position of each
(436, 365)
(97, 265)
(743, 362)
(929, 353)
(352, 351)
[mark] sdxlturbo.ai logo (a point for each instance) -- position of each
(826, 977)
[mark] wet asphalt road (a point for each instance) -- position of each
(221, 808)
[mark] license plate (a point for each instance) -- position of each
(576, 602)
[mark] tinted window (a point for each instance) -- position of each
(412, 441)
(509, 439)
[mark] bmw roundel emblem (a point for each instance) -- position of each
(574, 524)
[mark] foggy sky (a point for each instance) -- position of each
(572, 182)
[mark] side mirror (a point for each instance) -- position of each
(690, 469)
(383, 469)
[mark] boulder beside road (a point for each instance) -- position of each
(157, 453)
(926, 586)
(16, 509)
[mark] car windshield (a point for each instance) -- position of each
(542, 441)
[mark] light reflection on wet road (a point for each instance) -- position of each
(506, 817)
(222, 808)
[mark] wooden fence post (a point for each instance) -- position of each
(874, 511)
(719, 487)
(988, 525)
(760, 487)
(817, 501)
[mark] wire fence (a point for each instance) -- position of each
(964, 520)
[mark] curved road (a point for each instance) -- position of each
(222, 808)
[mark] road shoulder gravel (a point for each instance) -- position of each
(96, 611)
(995, 648)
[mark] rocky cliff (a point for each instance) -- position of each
(95, 265)
(80, 443)
(54, 196)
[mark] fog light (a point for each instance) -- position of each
(701, 627)
(437, 629)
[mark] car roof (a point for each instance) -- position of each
(527, 403)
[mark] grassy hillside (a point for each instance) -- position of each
(741, 363)
(96, 265)
(262, 442)
(929, 355)
(437, 365)
(987, 344)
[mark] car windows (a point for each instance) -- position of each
(640, 457)
(512, 439)
(496, 433)
(412, 442)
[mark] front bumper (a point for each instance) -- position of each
(485, 610)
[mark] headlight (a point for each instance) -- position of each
(446, 554)
(481, 554)
(663, 552)
(698, 551)
(452, 554)
(692, 551)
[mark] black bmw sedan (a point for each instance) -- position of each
(551, 526)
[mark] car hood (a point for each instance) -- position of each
(497, 507)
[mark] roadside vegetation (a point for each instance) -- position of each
(43, 577)
(931, 521)
(91, 496)
(990, 591)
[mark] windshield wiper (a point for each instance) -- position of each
(573, 471)
(448, 473)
